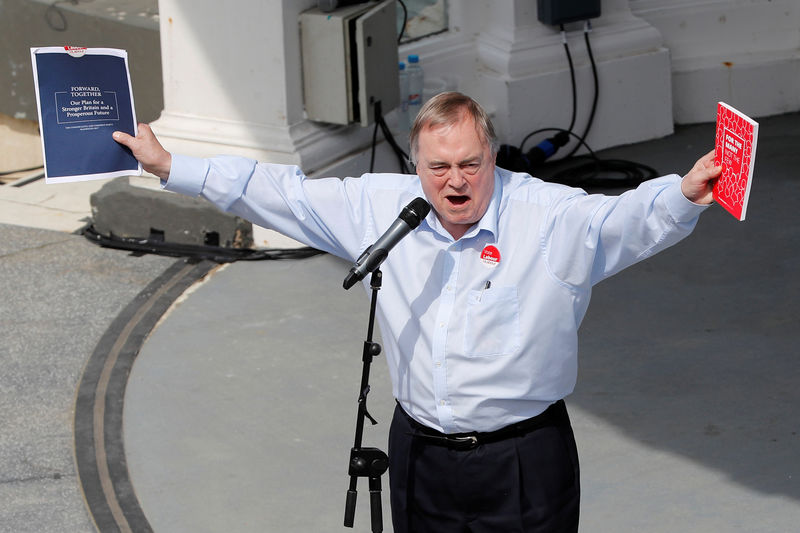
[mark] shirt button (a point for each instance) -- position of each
(438, 364)
(441, 324)
(441, 402)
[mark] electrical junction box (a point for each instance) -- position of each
(350, 62)
(557, 12)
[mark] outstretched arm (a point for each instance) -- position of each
(698, 183)
(147, 150)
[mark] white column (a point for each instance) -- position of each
(232, 84)
(527, 74)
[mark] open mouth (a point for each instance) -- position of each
(458, 199)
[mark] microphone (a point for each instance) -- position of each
(371, 259)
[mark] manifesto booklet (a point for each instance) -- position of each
(735, 150)
(83, 95)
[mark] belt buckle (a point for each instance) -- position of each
(466, 442)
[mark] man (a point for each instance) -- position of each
(480, 304)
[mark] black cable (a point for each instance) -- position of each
(405, 20)
(574, 100)
(55, 17)
(601, 172)
(374, 143)
(604, 173)
(380, 122)
(218, 254)
(577, 137)
(402, 157)
(572, 79)
(586, 29)
(596, 172)
(574, 96)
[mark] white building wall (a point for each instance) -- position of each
(744, 52)
(232, 76)
(528, 75)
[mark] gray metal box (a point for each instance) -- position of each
(350, 62)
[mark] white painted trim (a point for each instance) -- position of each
(309, 144)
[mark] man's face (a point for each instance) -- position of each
(456, 168)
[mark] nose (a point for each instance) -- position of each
(456, 179)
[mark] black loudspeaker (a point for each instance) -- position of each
(557, 12)
(326, 6)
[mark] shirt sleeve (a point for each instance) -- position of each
(329, 214)
(588, 238)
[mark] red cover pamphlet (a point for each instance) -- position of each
(735, 150)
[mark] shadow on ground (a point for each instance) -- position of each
(695, 351)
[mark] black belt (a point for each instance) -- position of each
(555, 415)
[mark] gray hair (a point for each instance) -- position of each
(446, 109)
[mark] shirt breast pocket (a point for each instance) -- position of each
(492, 322)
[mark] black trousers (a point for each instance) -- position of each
(527, 483)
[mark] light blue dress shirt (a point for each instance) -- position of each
(480, 332)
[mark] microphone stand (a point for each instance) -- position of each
(367, 462)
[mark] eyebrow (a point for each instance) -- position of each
(468, 160)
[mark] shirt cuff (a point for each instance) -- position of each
(187, 175)
(681, 208)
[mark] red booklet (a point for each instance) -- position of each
(735, 150)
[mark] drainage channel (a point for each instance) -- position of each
(99, 447)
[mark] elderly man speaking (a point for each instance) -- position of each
(481, 303)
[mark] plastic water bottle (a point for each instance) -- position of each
(416, 83)
(403, 123)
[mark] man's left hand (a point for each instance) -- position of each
(698, 183)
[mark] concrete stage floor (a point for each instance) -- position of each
(235, 410)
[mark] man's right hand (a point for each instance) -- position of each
(147, 150)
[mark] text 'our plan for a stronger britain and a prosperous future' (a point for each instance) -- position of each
(83, 95)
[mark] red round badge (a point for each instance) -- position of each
(490, 256)
(75, 51)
